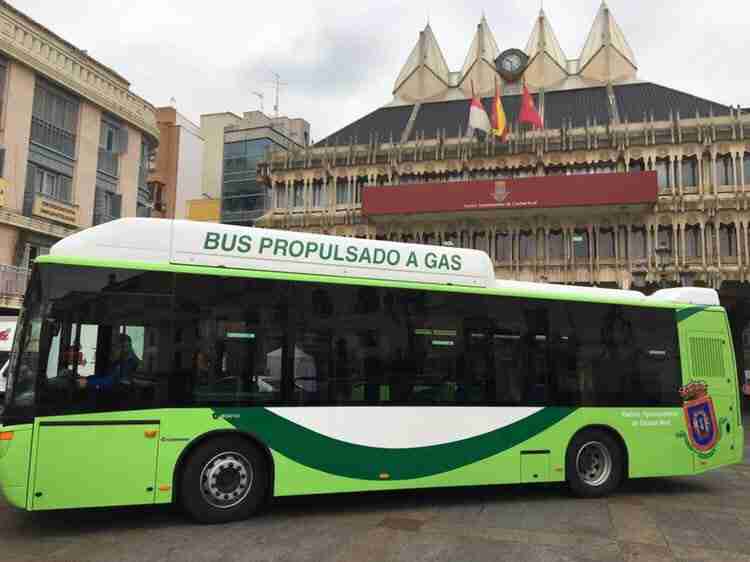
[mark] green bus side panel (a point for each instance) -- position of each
(15, 458)
(707, 355)
(649, 433)
(88, 466)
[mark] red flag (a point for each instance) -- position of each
(528, 113)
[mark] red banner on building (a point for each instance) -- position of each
(536, 192)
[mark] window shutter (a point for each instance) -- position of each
(122, 140)
(28, 194)
(116, 205)
(100, 205)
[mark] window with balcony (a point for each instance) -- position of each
(693, 246)
(689, 172)
(107, 204)
(113, 141)
(54, 119)
(50, 184)
(724, 170)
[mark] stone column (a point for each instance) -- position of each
(738, 235)
(546, 246)
(704, 250)
(679, 175)
(491, 250)
(717, 228)
(741, 170)
(629, 246)
(671, 175)
(714, 174)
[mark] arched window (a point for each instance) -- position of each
(724, 170)
(689, 172)
(693, 246)
(728, 240)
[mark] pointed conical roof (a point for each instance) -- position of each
(605, 32)
(543, 40)
(426, 53)
(483, 47)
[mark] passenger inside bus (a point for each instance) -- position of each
(123, 364)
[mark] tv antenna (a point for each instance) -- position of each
(277, 85)
(260, 96)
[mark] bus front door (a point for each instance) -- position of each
(95, 463)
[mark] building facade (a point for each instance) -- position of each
(554, 204)
(234, 147)
(176, 172)
(74, 146)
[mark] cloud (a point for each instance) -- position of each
(340, 59)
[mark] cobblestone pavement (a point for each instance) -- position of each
(700, 519)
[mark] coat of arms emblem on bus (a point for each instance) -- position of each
(501, 192)
(700, 417)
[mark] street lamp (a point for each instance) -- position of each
(663, 251)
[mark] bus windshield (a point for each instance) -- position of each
(80, 327)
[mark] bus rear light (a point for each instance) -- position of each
(6, 436)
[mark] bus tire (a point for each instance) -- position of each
(594, 463)
(224, 479)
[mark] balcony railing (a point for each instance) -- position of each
(13, 281)
(53, 137)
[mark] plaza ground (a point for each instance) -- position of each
(702, 519)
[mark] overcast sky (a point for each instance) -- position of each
(340, 58)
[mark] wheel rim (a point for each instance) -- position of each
(226, 480)
(594, 463)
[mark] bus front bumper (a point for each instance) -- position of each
(15, 456)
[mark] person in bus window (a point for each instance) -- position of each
(123, 363)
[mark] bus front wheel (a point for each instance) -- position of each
(225, 479)
(594, 463)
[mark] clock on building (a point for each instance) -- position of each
(510, 64)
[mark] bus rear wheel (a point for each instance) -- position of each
(225, 479)
(594, 464)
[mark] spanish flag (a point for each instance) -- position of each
(499, 124)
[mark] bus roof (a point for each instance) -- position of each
(181, 242)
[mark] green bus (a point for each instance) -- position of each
(218, 367)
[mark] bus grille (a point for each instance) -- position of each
(705, 355)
